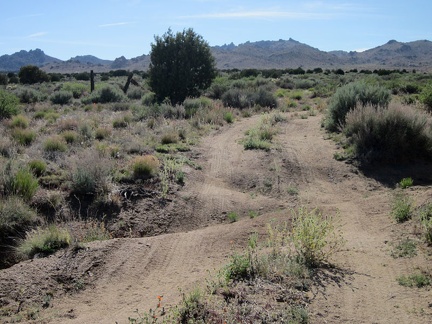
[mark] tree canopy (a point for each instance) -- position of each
(30, 74)
(181, 66)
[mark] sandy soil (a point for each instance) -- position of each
(107, 281)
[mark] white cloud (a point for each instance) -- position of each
(117, 24)
(35, 35)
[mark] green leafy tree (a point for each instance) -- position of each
(30, 74)
(181, 66)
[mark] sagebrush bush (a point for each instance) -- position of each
(245, 98)
(349, 97)
(29, 96)
(90, 175)
(8, 104)
(145, 166)
(426, 97)
(396, 133)
(105, 94)
(16, 216)
(77, 89)
(192, 105)
(135, 94)
(43, 241)
(61, 97)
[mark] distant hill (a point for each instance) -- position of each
(90, 59)
(33, 57)
(261, 55)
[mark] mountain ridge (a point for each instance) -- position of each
(265, 54)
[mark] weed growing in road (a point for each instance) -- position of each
(314, 236)
(405, 249)
(402, 208)
(232, 217)
(406, 183)
(417, 280)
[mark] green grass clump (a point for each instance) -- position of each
(102, 133)
(402, 208)
(38, 167)
(169, 138)
(20, 182)
(406, 183)
(105, 94)
(44, 241)
(15, 216)
(55, 144)
(145, 166)
(228, 117)
(23, 137)
(19, 121)
(70, 136)
(232, 217)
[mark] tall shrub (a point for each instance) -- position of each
(349, 97)
(8, 104)
(398, 133)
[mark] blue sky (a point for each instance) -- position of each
(111, 28)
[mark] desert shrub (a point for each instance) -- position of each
(192, 105)
(218, 88)
(19, 121)
(105, 94)
(426, 97)
(54, 144)
(135, 94)
(82, 76)
(349, 97)
(23, 137)
(77, 89)
(285, 83)
(8, 104)
(122, 122)
(389, 135)
(90, 175)
(18, 182)
(145, 166)
(38, 167)
(264, 98)
(43, 241)
(16, 215)
(149, 99)
(29, 96)
(61, 97)
(243, 98)
(304, 84)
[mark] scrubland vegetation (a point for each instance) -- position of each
(68, 155)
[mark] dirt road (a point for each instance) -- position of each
(361, 288)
